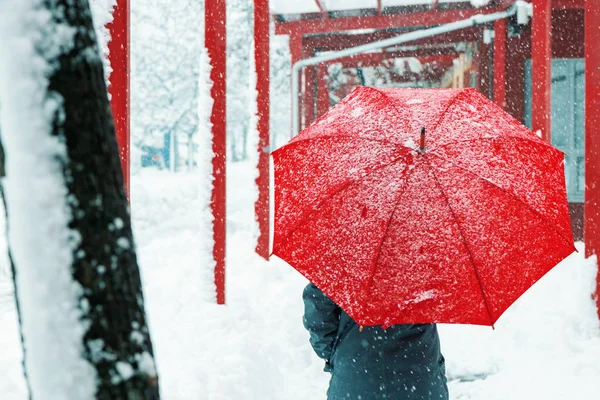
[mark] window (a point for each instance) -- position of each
(568, 93)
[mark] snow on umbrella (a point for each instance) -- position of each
(420, 206)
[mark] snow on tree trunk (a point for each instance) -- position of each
(77, 280)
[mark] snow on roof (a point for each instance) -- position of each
(310, 6)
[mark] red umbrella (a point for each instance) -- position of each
(397, 230)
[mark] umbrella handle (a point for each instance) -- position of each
(422, 144)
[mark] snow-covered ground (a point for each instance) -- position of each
(546, 346)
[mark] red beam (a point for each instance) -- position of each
(214, 40)
(261, 62)
(118, 49)
(379, 7)
(541, 66)
(342, 41)
(568, 3)
(592, 134)
(387, 21)
(500, 63)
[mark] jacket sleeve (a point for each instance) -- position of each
(321, 320)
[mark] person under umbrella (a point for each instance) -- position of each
(372, 363)
(410, 207)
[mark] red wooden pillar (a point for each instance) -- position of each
(541, 67)
(118, 56)
(214, 40)
(500, 62)
(592, 134)
(261, 62)
(323, 90)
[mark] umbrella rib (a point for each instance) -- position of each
(385, 233)
(533, 210)
(339, 190)
(443, 113)
(462, 235)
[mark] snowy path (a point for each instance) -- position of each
(546, 346)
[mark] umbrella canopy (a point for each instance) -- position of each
(399, 231)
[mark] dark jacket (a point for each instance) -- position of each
(402, 362)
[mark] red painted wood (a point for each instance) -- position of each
(379, 7)
(592, 132)
(500, 63)
(342, 41)
(323, 90)
(504, 3)
(261, 60)
(309, 95)
(483, 69)
(119, 82)
(322, 8)
(384, 21)
(567, 42)
(541, 65)
(567, 33)
(568, 3)
(296, 47)
(520, 51)
(214, 40)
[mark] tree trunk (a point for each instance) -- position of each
(116, 339)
